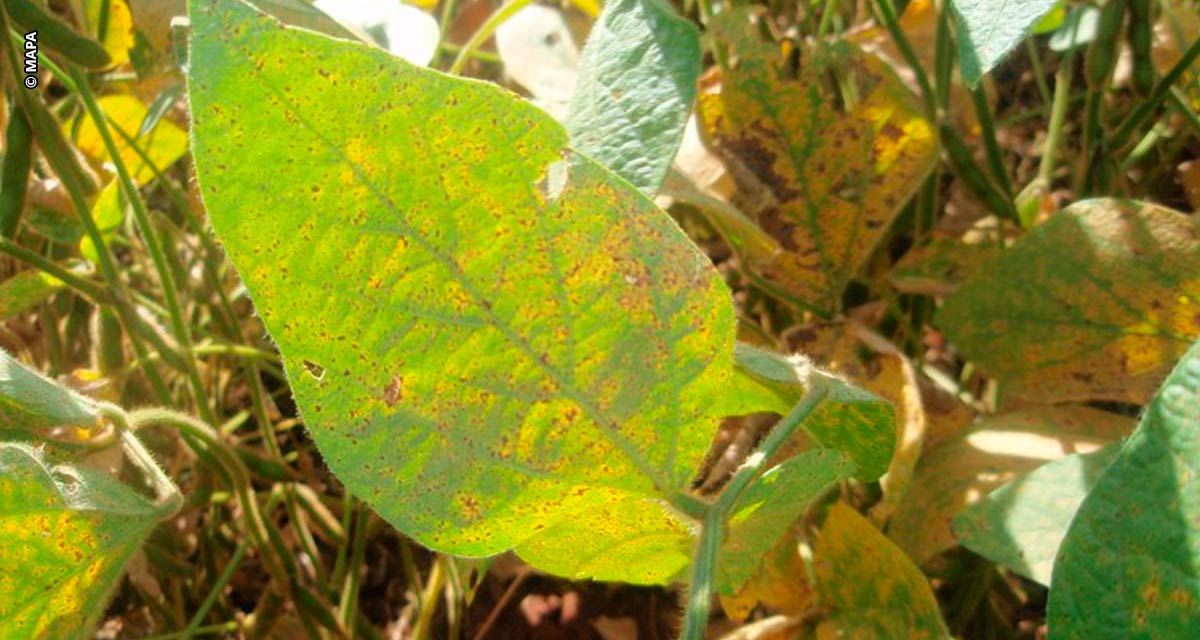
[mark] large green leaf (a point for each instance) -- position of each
(1096, 303)
(988, 29)
(851, 419)
(827, 169)
(1129, 566)
(636, 85)
(1021, 524)
(29, 400)
(870, 587)
(487, 333)
(66, 533)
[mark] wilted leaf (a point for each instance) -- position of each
(1021, 524)
(1128, 566)
(833, 178)
(635, 89)
(1094, 304)
(67, 532)
(487, 334)
(29, 400)
(165, 143)
(873, 589)
(988, 30)
(960, 471)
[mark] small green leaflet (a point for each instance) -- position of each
(988, 29)
(636, 85)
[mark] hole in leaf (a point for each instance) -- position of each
(315, 370)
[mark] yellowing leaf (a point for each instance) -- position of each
(962, 470)
(832, 178)
(114, 31)
(873, 589)
(1096, 303)
(487, 333)
(164, 144)
(67, 532)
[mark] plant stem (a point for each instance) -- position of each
(153, 242)
(1144, 109)
(82, 286)
(892, 23)
(712, 528)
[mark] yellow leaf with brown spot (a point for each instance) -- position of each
(872, 589)
(1096, 303)
(67, 533)
(830, 169)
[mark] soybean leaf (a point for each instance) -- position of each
(851, 420)
(636, 85)
(769, 506)
(656, 543)
(486, 332)
(1128, 564)
(163, 145)
(1094, 304)
(830, 176)
(959, 471)
(29, 400)
(30, 287)
(987, 30)
(67, 533)
(873, 589)
(1021, 524)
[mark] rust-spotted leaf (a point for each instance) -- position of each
(487, 333)
(870, 587)
(1096, 303)
(1127, 567)
(67, 533)
(829, 177)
